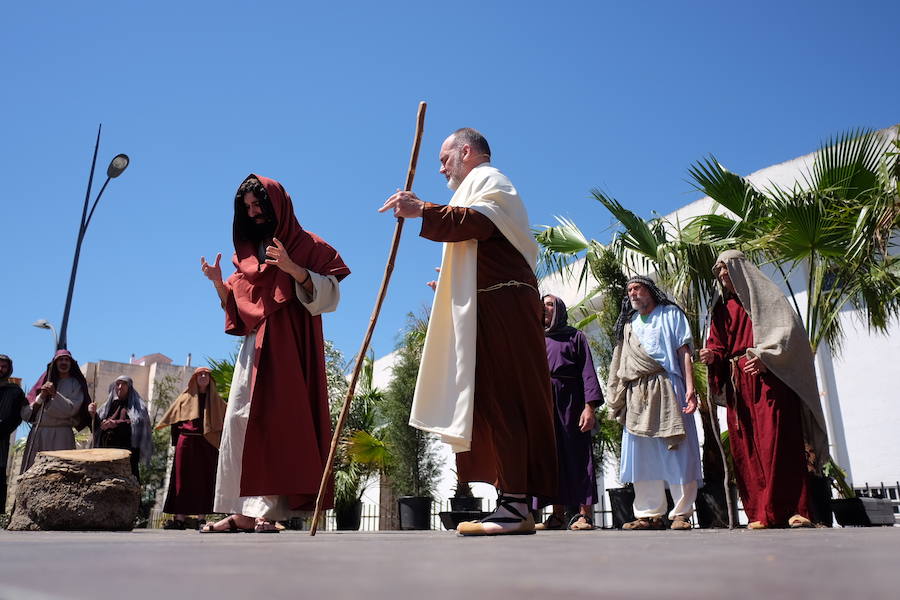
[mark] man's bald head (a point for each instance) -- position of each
(462, 151)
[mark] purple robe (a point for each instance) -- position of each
(574, 383)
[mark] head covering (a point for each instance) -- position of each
(261, 289)
(560, 322)
(9, 360)
(137, 414)
(780, 341)
(83, 419)
(628, 312)
(186, 407)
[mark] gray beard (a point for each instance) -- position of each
(453, 184)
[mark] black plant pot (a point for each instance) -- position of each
(415, 512)
(820, 500)
(863, 512)
(712, 509)
(621, 504)
(465, 504)
(348, 517)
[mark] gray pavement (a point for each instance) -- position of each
(765, 565)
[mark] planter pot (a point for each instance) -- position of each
(820, 500)
(863, 512)
(464, 504)
(712, 509)
(621, 504)
(415, 512)
(451, 519)
(348, 517)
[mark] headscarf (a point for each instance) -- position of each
(779, 340)
(137, 414)
(560, 322)
(4, 357)
(83, 418)
(627, 313)
(260, 289)
(186, 407)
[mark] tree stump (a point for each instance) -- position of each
(77, 490)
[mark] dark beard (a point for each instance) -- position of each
(258, 232)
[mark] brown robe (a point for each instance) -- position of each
(513, 439)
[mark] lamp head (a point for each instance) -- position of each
(42, 323)
(117, 165)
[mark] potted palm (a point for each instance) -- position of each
(361, 453)
(414, 465)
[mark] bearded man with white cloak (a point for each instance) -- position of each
(484, 382)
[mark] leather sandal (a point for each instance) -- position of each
(232, 528)
(799, 521)
(554, 522)
(680, 523)
(757, 525)
(581, 522)
(645, 524)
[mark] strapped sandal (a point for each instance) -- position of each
(554, 521)
(645, 524)
(524, 523)
(799, 521)
(580, 522)
(174, 524)
(232, 528)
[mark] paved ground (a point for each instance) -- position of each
(764, 565)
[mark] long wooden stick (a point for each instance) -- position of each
(360, 356)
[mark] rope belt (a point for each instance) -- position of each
(510, 283)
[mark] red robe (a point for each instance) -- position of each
(289, 429)
(764, 424)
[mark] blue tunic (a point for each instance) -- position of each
(661, 334)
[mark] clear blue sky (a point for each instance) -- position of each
(322, 96)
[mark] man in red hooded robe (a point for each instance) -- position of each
(277, 426)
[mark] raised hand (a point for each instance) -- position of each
(213, 272)
(278, 256)
(405, 204)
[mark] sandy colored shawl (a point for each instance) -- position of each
(186, 407)
(444, 397)
(642, 397)
(781, 342)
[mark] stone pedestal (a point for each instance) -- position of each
(77, 490)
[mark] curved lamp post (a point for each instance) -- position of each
(116, 166)
(45, 324)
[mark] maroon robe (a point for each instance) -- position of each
(764, 423)
(513, 442)
(289, 429)
(192, 484)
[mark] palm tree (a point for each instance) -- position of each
(836, 227)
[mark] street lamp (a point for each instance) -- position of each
(45, 324)
(116, 166)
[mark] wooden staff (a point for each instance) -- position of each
(360, 356)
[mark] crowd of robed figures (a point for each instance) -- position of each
(503, 379)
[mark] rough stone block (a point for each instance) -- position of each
(77, 490)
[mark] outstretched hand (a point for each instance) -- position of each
(213, 272)
(405, 204)
(277, 255)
